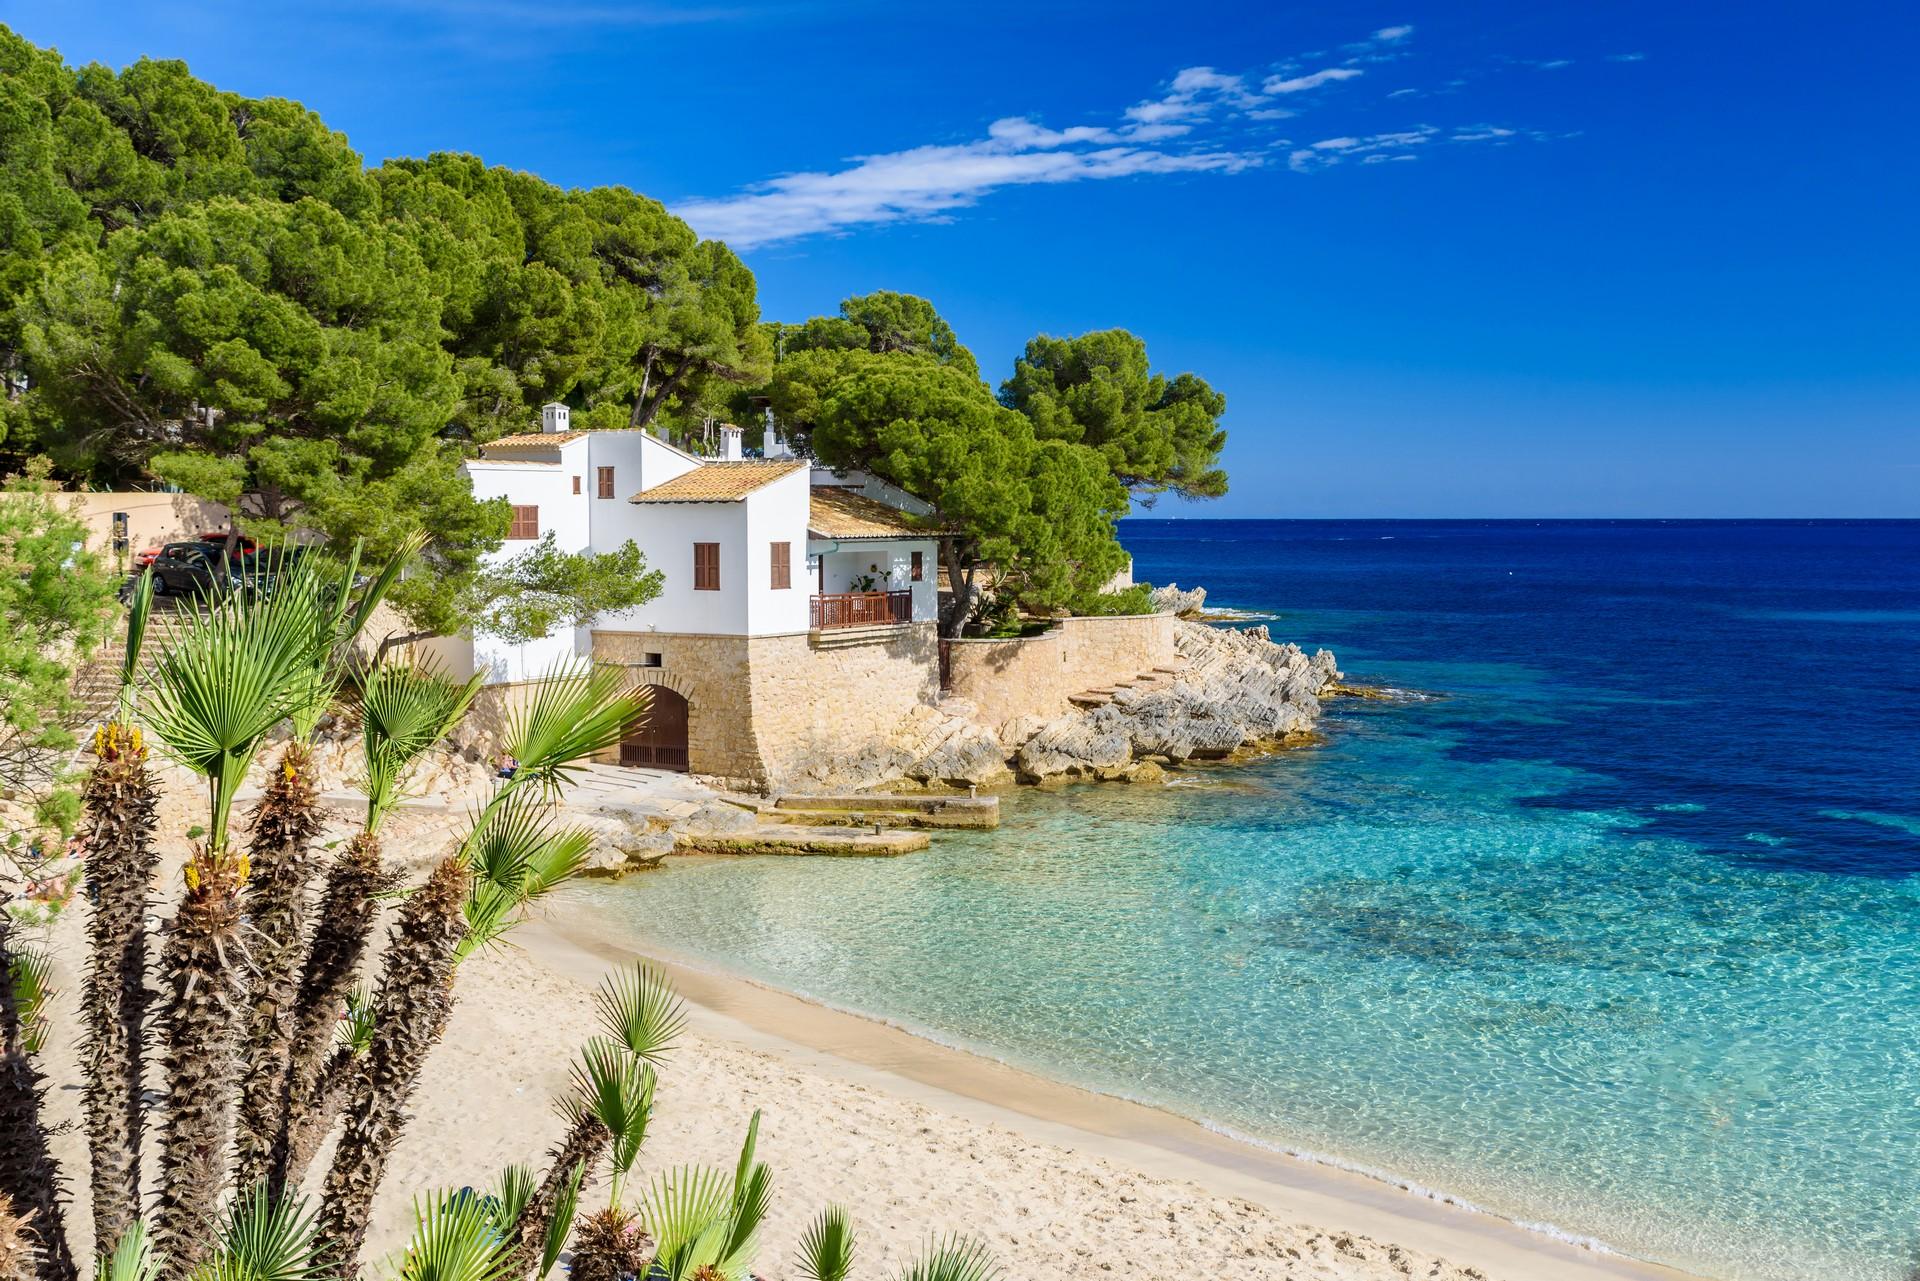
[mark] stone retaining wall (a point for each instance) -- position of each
(762, 708)
(1034, 675)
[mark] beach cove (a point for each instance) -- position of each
(1590, 942)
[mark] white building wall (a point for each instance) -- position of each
(563, 514)
(665, 534)
(777, 513)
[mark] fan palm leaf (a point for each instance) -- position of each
(639, 1009)
(264, 1240)
(454, 1239)
(686, 1211)
(31, 974)
(405, 709)
(573, 713)
(618, 1089)
(953, 1258)
(139, 611)
(826, 1250)
(230, 677)
(133, 1257)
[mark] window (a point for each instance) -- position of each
(606, 482)
(782, 566)
(526, 522)
(919, 567)
(650, 659)
(706, 567)
(576, 484)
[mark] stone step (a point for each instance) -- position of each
(781, 839)
(1091, 699)
(880, 818)
(875, 802)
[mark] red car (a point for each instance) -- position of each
(142, 559)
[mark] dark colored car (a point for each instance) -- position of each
(146, 557)
(205, 569)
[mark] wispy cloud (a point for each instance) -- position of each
(1626, 57)
(1202, 121)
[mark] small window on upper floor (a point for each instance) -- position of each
(526, 522)
(919, 567)
(706, 567)
(605, 477)
(576, 484)
(782, 558)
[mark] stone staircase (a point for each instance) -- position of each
(1159, 676)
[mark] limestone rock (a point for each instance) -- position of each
(971, 756)
(1171, 599)
(719, 816)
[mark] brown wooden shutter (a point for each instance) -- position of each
(526, 522)
(576, 484)
(706, 567)
(606, 482)
(919, 567)
(782, 566)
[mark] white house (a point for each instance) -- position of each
(793, 599)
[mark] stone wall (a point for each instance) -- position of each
(762, 709)
(1034, 675)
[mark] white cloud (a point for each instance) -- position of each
(1313, 80)
(1554, 64)
(1201, 122)
(1626, 57)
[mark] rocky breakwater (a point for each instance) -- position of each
(1236, 689)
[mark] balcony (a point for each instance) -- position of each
(861, 609)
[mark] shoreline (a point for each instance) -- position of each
(883, 1056)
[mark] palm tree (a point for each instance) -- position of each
(19, 1250)
(230, 678)
(29, 1180)
(120, 803)
(281, 851)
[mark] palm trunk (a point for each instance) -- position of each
(610, 1246)
(284, 828)
(410, 1015)
(586, 1142)
(120, 803)
(19, 1250)
(330, 1095)
(203, 976)
(29, 1179)
(342, 927)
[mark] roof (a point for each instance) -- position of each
(719, 482)
(511, 462)
(837, 512)
(534, 440)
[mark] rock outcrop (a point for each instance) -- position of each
(1233, 689)
(1173, 599)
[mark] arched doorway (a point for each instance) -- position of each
(660, 742)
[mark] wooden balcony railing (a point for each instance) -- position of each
(861, 609)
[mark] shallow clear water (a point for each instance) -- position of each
(1621, 935)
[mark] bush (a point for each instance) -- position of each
(1137, 599)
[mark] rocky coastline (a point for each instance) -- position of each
(1233, 690)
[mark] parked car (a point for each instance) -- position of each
(146, 557)
(205, 569)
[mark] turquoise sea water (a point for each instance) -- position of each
(1619, 937)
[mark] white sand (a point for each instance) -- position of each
(913, 1138)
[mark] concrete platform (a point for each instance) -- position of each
(783, 839)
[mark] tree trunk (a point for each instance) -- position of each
(203, 977)
(587, 1141)
(343, 924)
(965, 594)
(303, 1139)
(410, 1015)
(119, 864)
(648, 404)
(29, 1179)
(285, 826)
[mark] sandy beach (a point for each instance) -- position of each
(915, 1138)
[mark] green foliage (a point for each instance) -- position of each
(264, 1240)
(133, 1257)
(454, 1239)
(57, 599)
(405, 709)
(30, 975)
(1137, 599)
(1156, 434)
(617, 1088)
(639, 1010)
(826, 1251)
(544, 588)
(954, 1258)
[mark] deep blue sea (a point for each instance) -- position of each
(1613, 930)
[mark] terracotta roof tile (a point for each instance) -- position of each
(836, 512)
(719, 482)
(534, 440)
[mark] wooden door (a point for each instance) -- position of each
(660, 742)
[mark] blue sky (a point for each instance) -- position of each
(1445, 259)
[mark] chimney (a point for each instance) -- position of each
(729, 443)
(554, 417)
